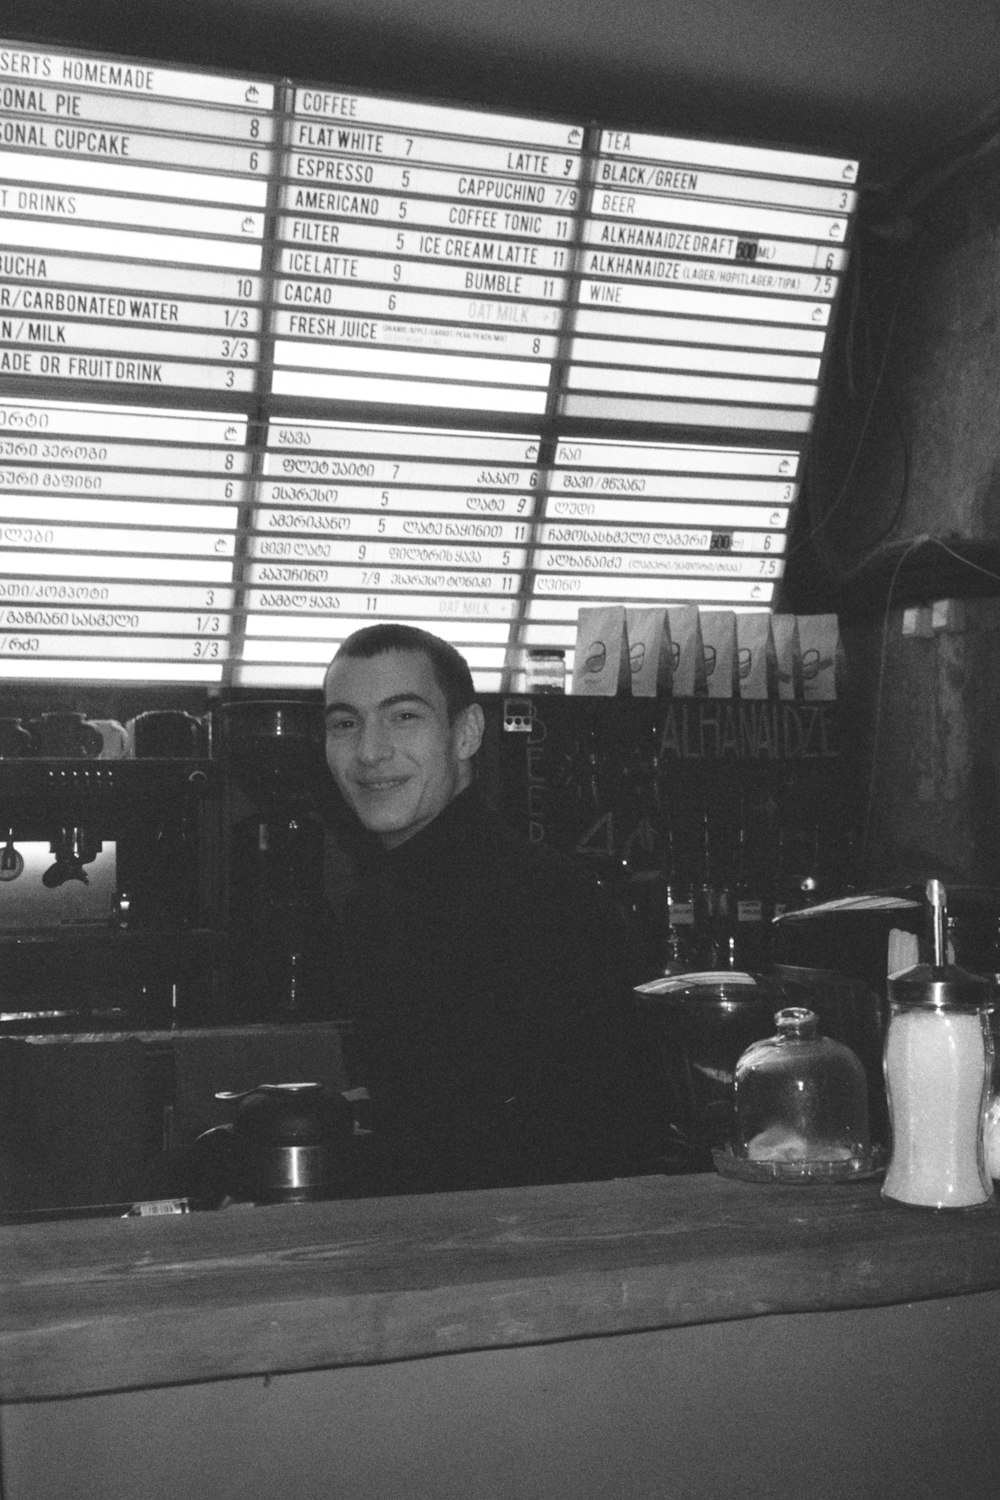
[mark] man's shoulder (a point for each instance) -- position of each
(541, 872)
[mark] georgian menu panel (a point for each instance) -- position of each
(117, 537)
(277, 360)
(357, 524)
(635, 523)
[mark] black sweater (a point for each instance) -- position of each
(489, 981)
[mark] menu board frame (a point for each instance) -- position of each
(293, 253)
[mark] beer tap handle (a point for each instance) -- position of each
(11, 860)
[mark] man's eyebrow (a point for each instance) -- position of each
(391, 702)
(405, 698)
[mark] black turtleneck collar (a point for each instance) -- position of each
(459, 826)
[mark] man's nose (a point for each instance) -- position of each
(374, 742)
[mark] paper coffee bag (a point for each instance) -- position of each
(648, 651)
(718, 644)
(819, 647)
(785, 633)
(600, 660)
(755, 656)
(687, 659)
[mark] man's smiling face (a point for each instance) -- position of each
(394, 753)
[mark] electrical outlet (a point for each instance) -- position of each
(948, 615)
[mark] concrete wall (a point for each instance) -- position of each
(917, 520)
(928, 708)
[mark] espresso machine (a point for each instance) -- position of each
(106, 919)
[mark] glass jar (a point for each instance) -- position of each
(800, 1097)
(546, 671)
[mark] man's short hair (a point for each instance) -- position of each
(450, 668)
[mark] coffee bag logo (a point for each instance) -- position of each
(813, 663)
(597, 656)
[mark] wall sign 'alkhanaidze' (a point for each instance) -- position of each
(718, 730)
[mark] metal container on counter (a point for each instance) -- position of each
(287, 1143)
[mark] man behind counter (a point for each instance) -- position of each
(488, 978)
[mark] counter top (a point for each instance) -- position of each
(237, 1031)
(108, 1304)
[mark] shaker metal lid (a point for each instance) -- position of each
(940, 985)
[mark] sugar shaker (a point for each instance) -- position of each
(938, 1063)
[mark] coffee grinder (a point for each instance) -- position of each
(273, 750)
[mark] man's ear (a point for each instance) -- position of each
(469, 729)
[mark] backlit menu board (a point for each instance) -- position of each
(423, 254)
(632, 523)
(278, 359)
(358, 524)
(117, 537)
(706, 284)
(133, 203)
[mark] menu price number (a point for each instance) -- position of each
(207, 650)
